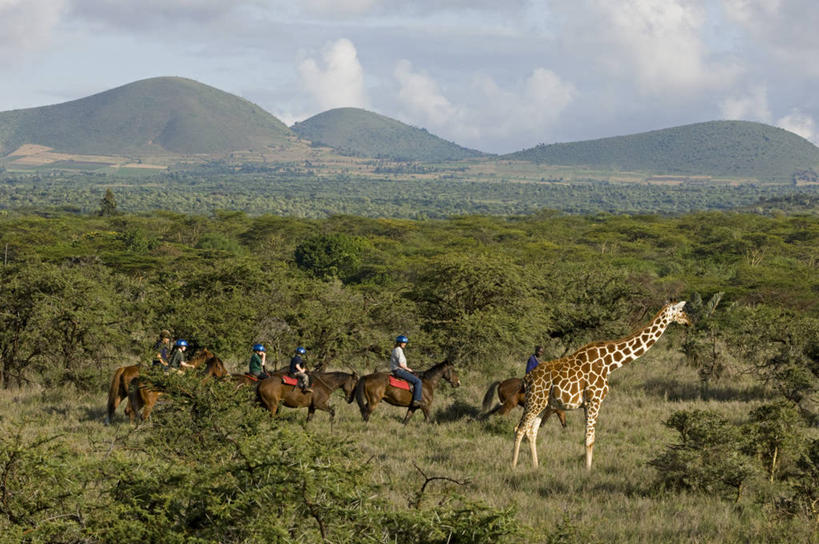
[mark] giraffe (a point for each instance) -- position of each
(582, 379)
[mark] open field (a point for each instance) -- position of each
(618, 501)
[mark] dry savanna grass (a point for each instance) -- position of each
(463, 454)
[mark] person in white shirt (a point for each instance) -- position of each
(399, 369)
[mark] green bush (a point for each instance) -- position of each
(708, 457)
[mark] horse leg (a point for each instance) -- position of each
(507, 406)
(369, 407)
(407, 417)
(561, 415)
(310, 411)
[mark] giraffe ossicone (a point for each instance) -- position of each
(582, 379)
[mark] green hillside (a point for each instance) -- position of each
(716, 148)
(354, 131)
(164, 114)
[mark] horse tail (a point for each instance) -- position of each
(488, 399)
(359, 396)
(114, 395)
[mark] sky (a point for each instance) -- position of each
(497, 76)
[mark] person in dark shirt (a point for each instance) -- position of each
(179, 358)
(257, 362)
(534, 360)
(162, 350)
(298, 370)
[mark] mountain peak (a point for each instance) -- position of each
(156, 115)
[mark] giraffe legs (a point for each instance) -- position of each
(592, 409)
(528, 426)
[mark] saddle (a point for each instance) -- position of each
(287, 380)
(400, 383)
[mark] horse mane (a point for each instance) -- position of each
(435, 369)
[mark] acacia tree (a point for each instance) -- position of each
(475, 306)
(108, 204)
(54, 320)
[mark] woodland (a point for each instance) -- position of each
(387, 189)
(713, 435)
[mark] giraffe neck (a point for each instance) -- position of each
(627, 349)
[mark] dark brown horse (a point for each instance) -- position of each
(248, 379)
(141, 398)
(511, 394)
(122, 380)
(374, 388)
(271, 391)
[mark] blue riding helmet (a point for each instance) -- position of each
(179, 343)
(300, 350)
(401, 339)
(257, 347)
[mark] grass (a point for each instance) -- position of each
(616, 502)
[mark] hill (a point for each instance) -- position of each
(716, 148)
(358, 132)
(158, 115)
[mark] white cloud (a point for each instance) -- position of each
(27, 25)
(340, 81)
(486, 109)
(421, 95)
(752, 106)
(659, 44)
(801, 124)
(782, 32)
(340, 7)
(147, 14)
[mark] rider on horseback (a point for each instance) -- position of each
(257, 361)
(298, 370)
(161, 349)
(534, 359)
(179, 358)
(399, 369)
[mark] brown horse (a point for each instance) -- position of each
(271, 391)
(247, 379)
(122, 379)
(510, 394)
(373, 388)
(141, 398)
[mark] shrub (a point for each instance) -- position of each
(709, 457)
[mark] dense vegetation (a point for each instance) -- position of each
(717, 148)
(152, 116)
(359, 132)
(83, 294)
(300, 191)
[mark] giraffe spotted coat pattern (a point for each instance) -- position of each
(582, 379)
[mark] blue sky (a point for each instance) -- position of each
(494, 76)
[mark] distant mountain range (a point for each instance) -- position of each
(360, 132)
(717, 148)
(152, 116)
(177, 116)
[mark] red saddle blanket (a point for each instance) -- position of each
(289, 381)
(252, 377)
(399, 383)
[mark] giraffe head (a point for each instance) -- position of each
(674, 311)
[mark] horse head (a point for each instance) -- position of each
(215, 367)
(450, 375)
(349, 386)
(200, 357)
